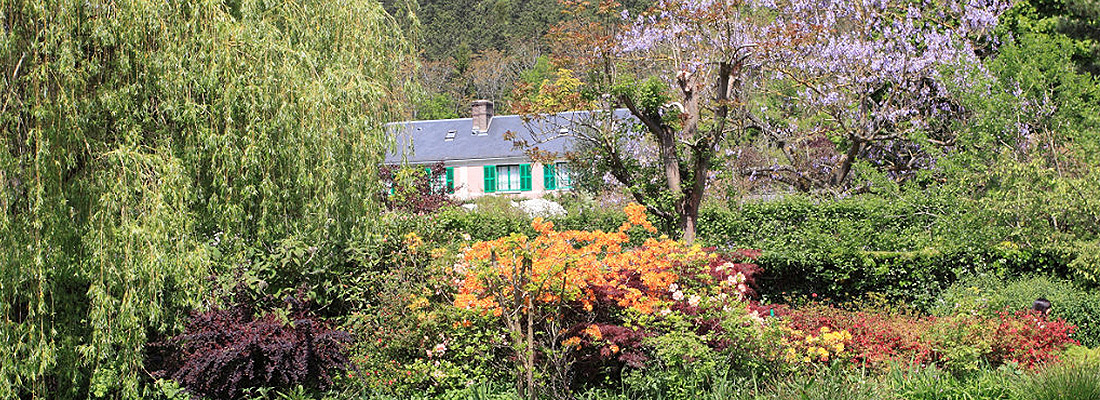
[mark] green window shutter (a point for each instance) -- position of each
(490, 178)
(548, 180)
(432, 180)
(450, 179)
(525, 177)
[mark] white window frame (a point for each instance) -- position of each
(508, 175)
(563, 176)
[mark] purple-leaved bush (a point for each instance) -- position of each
(227, 350)
(418, 189)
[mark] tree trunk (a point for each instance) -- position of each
(687, 205)
(667, 142)
(705, 146)
(690, 222)
(530, 361)
(846, 162)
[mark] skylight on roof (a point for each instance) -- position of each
(450, 135)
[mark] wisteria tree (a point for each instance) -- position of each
(863, 80)
(820, 87)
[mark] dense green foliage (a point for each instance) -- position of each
(144, 141)
(907, 250)
(1077, 20)
(988, 295)
(159, 153)
(1028, 153)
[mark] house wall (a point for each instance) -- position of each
(469, 179)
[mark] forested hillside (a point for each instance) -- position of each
(479, 49)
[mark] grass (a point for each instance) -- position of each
(1077, 381)
(1071, 380)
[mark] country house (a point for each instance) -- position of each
(478, 157)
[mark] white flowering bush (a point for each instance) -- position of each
(540, 208)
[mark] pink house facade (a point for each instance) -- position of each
(478, 159)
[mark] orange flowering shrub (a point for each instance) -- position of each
(577, 267)
(635, 215)
(586, 300)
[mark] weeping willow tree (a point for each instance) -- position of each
(138, 131)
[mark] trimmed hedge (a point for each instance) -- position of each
(905, 250)
(803, 225)
(837, 250)
(915, 278)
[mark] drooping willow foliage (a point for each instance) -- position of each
(136, 132)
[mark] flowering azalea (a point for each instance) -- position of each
(575, 266)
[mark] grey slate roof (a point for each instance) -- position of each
(424, 141)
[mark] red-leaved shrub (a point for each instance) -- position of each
(877, 339)
(1029, 339)
(226, 350)
(881, 339)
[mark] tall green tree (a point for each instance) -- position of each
(1028, 151)
(1077, 20)
(138, 132)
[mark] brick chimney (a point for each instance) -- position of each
(482, 112)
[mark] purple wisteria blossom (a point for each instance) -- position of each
(791, 91)
(829, 82)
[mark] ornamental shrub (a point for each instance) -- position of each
(683, 365)
(989, 295)
(877, 340)
(960, 344)
(1028, 339)
(581, 304)
(227, 350)
(414, 340)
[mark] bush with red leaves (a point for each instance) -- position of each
(225, 351)
(415, 189)
(880, 339)
(1029, 339)
(616, 347)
